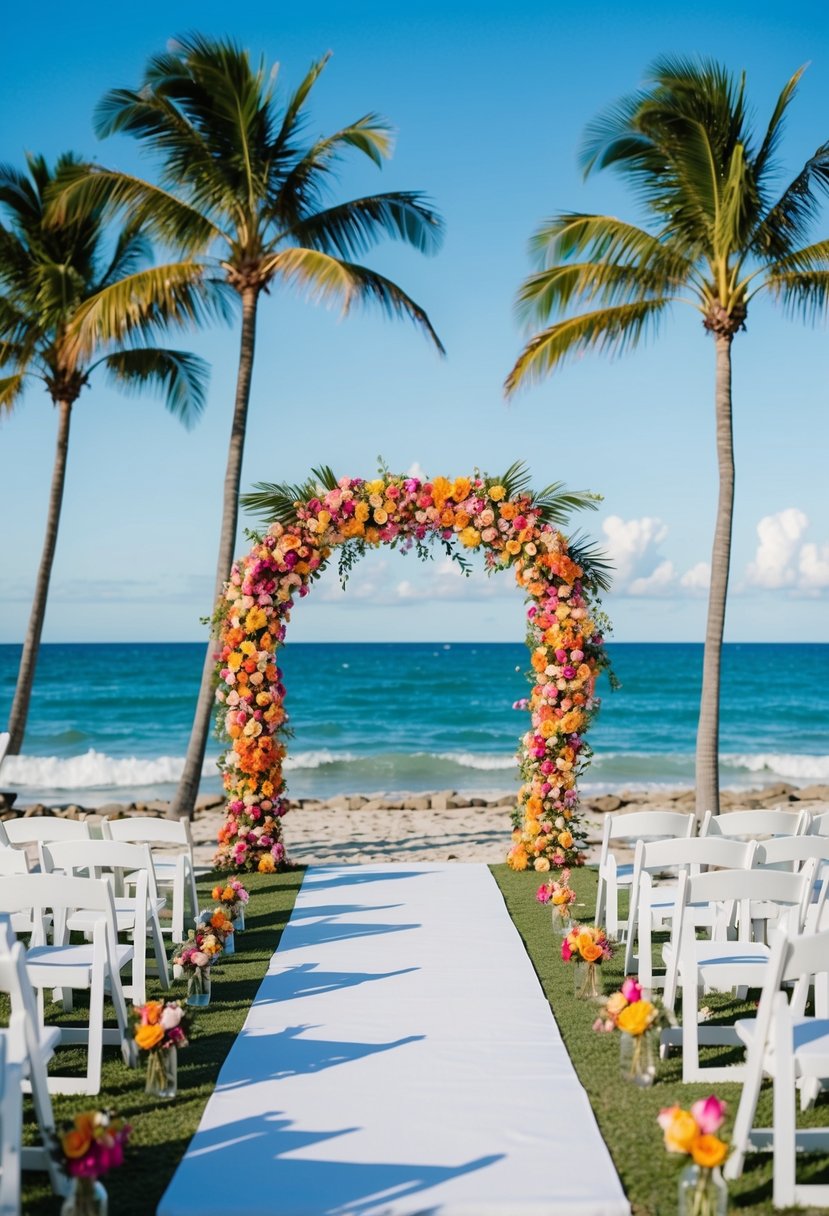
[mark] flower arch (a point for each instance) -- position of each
(516, 529)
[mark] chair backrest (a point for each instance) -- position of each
(792, 850)
(4, 745)
(820, 824)
(143, 829)
(639, 825)
(95, 857)
(4, 839)
(38, 893)
(757, 894)
(13, 861)
(38, 828)
(720, 851)
(755, 823)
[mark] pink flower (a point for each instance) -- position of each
(632, 990)
(543, 893)
(566, 952)
(710, 1114)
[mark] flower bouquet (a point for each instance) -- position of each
(194, 960)
(232, 896)
(636, 1016)
(87, 1148)
(561, 896)
(161, 1029)
(702, 1190)
(220, 925)
(587, 947)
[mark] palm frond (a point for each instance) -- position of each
(351, 229)
(517, 480)
(329, 280)
(325, 477)
(157, 211)
(597, 566)
(276, 503)
(296, 103)
(543, 294)
(763, 161)
(146, 303)
(11, 390)
(603, 238)
(132, 250)
(180, 377)
(809, 257)
(790, 219)
(611, 330)
(555, 504)
(803, 293)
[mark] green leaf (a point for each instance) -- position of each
(179, 377)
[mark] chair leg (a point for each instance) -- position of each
(95, 1041)
(159, 952)
(783, 1184)
(601, 895)
(745, 1112)
(690, 1025)
(139, 963)
(178, 902)
(11, 1123)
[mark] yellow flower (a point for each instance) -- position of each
(542, 864)
(380, 516)
(461, 488)
(361, 512)
(517, 858)
(234, 661)
(255, 619)
(470, 537)
(148, 1037)
(267, 865)
(616, 1003)
(374, 487)
(709, 1151)
(247, 647)
(680, 1129)
(496, 493)
(565, 839)
(636, 1018)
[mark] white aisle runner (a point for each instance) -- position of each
(400, 1059)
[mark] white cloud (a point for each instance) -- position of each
(632, 546)
(660, 580)
(698, 578)
(813, 567)
(776, 560)
(416, 470)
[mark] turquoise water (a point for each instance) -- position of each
(112, 720)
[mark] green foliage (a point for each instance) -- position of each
(717, 230)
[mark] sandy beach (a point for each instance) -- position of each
(441, 826)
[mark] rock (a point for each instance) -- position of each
(812, 793)
(209, 802)
(115, 810)
(607, 803)
(375, 804)
(30, 812)
(417, 804)
(477, 802)
(447, 800)
(7, 799)
(74, 812)
(356, 802)
(505, 800)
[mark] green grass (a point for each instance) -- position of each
(626, 1114)
(162, 1131)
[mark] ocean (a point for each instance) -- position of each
(110, 722)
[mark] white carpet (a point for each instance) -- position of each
(400, 1059)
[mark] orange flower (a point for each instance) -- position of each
(709, 1151)
(76, 1142)
(148, 1037)
(590, 952)
(153, 1009)
(565, 839)
(508, 510)
(461, 488)
(680, 1128)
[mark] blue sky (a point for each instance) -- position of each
(489, 102)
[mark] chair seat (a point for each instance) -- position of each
(624, 873)
(72, 966)
(811, 1044)
(84, 921)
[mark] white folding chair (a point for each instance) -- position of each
(743, 900)
(755, 823)
(134, 913)
(11, 1127)
(794, 1051)
(35, 829)
(652, 902)
(95, 966)
(638, 825)
(820, 825)
(32, 1047)
(173, 873)
(792, 853)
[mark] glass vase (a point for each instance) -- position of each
(86, 1198)
(637, 1058)
(198, 986)
(162, 1073)
(229, 944)
(238, 918)
(702, 1192)
(586, 984)
(562, 920)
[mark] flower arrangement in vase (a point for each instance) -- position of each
(560, 896)
(87, 1149)
(586, 946)
(702, 1189)
(161, 1029)
(233, 897)
(194, 959)
(633, 1013)
(218, 922)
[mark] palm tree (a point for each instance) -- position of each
(720, 233)
(50, 277)
(241, 188)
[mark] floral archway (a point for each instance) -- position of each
(516, 529)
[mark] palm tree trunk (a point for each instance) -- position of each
(708, 731)
(188, 787)
(31, 646)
